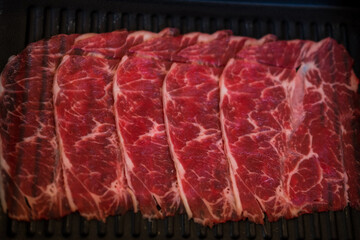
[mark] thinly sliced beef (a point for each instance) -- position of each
(84, 108)
(316, 158)
(326, 120)
(191, 99)
(31, 175)
(140, 120)
(328, 139)
(149, 168)
(255, 118)
(91, 158)
(191, 106)
(276, 53)
(113, 45)
(227, 127)
(349, 102)
(209, 50)
(166, 46)
(216, 49)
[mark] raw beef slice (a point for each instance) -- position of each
(216, 49)
(191, 106)
(211, 51)
(255, 118)
(289, 119)
(113, 45)
(140, 121)
(312, 162)
(165, 46)
(91, 157)
(85, 119)
(330, 105)
(325, 137)
(31, 175)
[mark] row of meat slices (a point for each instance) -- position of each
(221, 126)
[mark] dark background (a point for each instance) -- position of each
(23, 21)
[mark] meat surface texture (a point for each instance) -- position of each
(223, 127)
(327, 123)
(91, 159)
(140, 120)
(255, 115)
(191, 105)
(150, 169)
(31, 177)
(216, 49)
(303, 152)
(84, 108)
(326, 136)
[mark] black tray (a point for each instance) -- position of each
(22, 22)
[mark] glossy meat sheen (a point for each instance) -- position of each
(138, 102)
(327, 132)
(255, 118)
(31, 176)
(139, 111)
(273, 53)
(216, 49)
(140, 120)
(112, 45)
(164, 47)
(329, 115)
(90, 81)
(91, 157)
(276, 134)
(317, 157)
(209, 50)
(191, 103)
